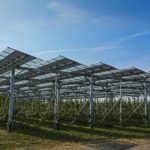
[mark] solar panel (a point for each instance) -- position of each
(52, 66)
(12, 58)
(119, 73)
(34, 73)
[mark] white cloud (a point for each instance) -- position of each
(126, 38)
(63, 13)
(66, 12)
(107, 46)
(92, 49)
(132, 36)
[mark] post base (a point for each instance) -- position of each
(9, 127)
(57, 126)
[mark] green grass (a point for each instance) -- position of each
(31, 136)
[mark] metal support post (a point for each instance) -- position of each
(106, 95)
(11, 101)
(106, 98)
(120, 99)
(91, 104)
(75, 101)
(145, 102)
(56, 105)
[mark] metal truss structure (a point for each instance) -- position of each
(24, 76)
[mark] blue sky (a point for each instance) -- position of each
(116, 32)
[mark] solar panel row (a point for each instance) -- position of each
(35, 73)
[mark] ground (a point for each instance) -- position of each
(27, 137)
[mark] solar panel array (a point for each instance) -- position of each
(36, 77)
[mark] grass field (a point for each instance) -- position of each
(32, 137)
(30, 133)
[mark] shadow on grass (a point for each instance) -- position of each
(72, 133)
(113, 132)
(48, 133)
(133, 129)
(138, 129)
